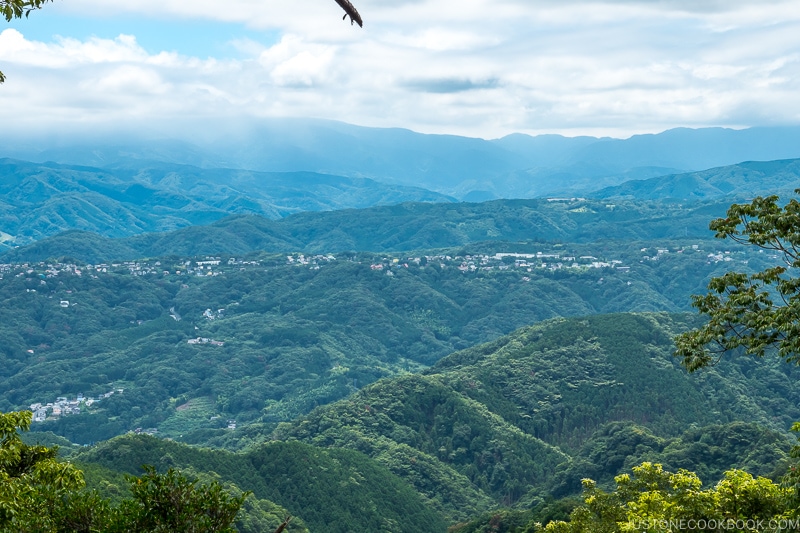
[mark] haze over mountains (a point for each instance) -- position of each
(516, 166)
(121, 190)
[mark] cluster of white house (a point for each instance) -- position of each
(312, 261)
(539, 261)
(502, 261)
(45, 270)
(214, 266)
(64, 406)
(209, 266)
(204, 340)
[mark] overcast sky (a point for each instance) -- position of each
(482, 68)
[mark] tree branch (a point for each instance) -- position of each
(350, 10)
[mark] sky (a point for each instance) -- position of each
(480, 68)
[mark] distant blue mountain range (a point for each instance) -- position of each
(516, 166)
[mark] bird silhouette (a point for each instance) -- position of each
(350, 10)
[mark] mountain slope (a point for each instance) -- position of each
(509, 423)
(533, 412)
(617, 356)
(512, 423)
(442, 443)
(43, 199)
(745, 180)
(337, 491)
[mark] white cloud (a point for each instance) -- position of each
(477, 67)
(66, 52)
(128, 79)
(295, 63)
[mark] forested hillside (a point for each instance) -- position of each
(516, 423)
(337, 491)
(409, 226)
(735, 182)
(196, 342)
(42, 199)
(533, 413)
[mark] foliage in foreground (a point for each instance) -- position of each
(757, 311)
(655, 500)
(40, 494)
(14, 9)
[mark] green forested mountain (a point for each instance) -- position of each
(409, 226)
(513, 423)
(330, 490)
(42, 199)
(741, 181)
(530, 414)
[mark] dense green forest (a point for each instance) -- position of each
(514, 424)
(332, 490)
(528, 416)
(40, 493)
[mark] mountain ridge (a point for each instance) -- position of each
(735, 182)
(517, 165)
(580, 385)
(41, 199)
(401, 227)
